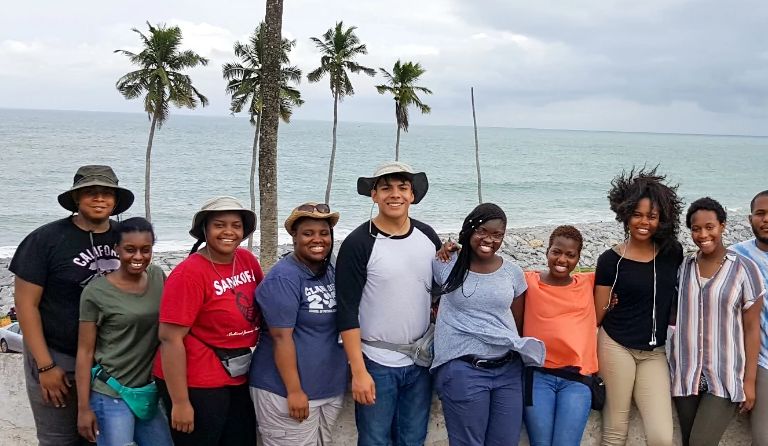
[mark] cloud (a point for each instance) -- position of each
(652, 65)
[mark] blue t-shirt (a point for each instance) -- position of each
(750, 250)
(290, 297)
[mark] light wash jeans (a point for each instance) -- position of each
(118, 426)
(401, 412)
(559, 412)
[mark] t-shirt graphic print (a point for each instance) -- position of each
(321, 298)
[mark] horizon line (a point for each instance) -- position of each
(212, 115)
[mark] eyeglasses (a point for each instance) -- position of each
(482, 233)
(320, 207)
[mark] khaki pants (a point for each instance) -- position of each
(759, 416)
(642, 375)
(277, 428)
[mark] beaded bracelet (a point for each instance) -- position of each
(46, 368)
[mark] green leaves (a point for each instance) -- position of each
(245, 77)
(400, 83)
(159, 76)
(338, 48)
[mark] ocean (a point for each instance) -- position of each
(536, 176)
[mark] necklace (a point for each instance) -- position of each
(216, 270)
(370, 230)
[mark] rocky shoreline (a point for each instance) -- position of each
(525, 245)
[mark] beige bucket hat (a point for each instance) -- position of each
(418, 180)
(222, 204)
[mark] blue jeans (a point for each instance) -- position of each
(401, 412)
(559, 413)
(118, 426)
(481, 406)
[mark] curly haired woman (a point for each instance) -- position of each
(634, 294)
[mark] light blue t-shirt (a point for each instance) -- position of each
(476, 319)
(750, 250)
(290, 297)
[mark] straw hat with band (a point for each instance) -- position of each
(222, 204)
(418, 180)
(318, 211)
(87, 176)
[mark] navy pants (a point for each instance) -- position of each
(481, 406)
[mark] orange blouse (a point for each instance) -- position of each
(563, 317)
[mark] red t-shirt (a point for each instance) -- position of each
(219, 309)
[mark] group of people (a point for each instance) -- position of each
(117, 353)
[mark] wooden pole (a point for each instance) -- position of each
(477, 149)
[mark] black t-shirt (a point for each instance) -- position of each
(61, 258)
(630, 322)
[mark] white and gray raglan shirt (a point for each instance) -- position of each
(383, 287)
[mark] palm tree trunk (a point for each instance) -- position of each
(397, 145)
(148, 164)
(477, 149)
(333, 148)
(254, 157)
(268, 139)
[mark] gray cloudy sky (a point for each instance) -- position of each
(649, 65)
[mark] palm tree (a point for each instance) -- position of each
(245, 87)
(270, 120)
(401, 84)
(160, 76)
(338, 48)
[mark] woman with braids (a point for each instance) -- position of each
(299, 372)
(559, 310)
(714, 348)
(479, 354)
(208, 325)
(635, 287)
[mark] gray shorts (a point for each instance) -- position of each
(277, 428)
(56, 426)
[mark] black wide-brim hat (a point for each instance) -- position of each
(95, 175)
(419, 182)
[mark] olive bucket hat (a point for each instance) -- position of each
(222, 204)
(418, 180)
(318, 211)
(94, 175)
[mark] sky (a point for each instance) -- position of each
(675, 66)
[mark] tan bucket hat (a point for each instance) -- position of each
(95, 175)
(418, 180)
(311, 209)
(222, 203)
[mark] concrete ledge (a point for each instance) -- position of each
(18, 429)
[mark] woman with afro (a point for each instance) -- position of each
(635, 290)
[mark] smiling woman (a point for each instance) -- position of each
(635, 288)
(720, 300)
(299, 373)
(208, 325)
(479, 353)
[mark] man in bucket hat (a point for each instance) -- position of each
(52, 265)
(383, 278)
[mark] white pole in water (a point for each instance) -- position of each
(477, 149)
